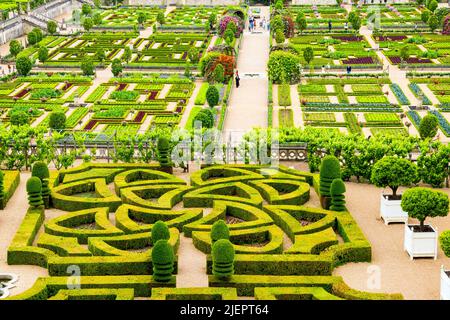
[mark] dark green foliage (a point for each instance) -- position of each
(87, 66)
(337, 195)
(164, 152)
(433, 22)
(219, 73)
(425, 16)
(223, 259)
(219, 230)
(421, 203)
(206, 117)
(444, 239)
(329, 170)
(23, 65)
(432, 5)
(162, 260)
(160, 231)
(34, 190)
(57, 120)
(19, 118)
(212, 96)
(32, 38)
(160, 18)
(15, 47)
(51, 27)
(116, 67)
(43, 54)
(40, 170)
(428, 126)
(308, 54)
(88, 24)
(86, 9)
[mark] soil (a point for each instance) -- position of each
(392, 197)
(427, 228)
(304, 222)
(87, 226)
(233, 220)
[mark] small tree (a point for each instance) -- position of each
(404, 53)
(100, 55)
(279, 36)
(160, 18)
(219, 73)
(308, 54)
(160, 231)
(444, 240)
(428, 126)
(433, 23)
(34, 190)
(421, 203)
(15, 47)
(19, 118)
(23, 65)
(329, 170)
(87, 66)
(432, 5)
(141, 18)
(193, 55)
(38, 33)
(127, 54)
(205, 117)
(43, 54)
(212, 96)
(337, 191)
(223, 259)
(162, 260)
(51, 27)
(32, 38)
(301, 23)
(219, 230)
(57, 120)
(356, 23)
(86, 9)
(116, 67)
(97, 19)
(40, 170)
(163, 147)
(88, 24)
(425, 16)
(393, 172)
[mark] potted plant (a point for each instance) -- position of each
(393, 172)
(421, 239)
(444, 239)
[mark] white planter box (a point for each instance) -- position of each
(391, 211)
(420, 244)
(445, 284)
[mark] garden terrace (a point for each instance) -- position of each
(103, 217)
(126, 18)
(317, 17)
(434, 89)
(395, 16)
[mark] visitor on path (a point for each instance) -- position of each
(237, 79)
(346, 26)
(323, 69)
(330, 26)
(348, 70)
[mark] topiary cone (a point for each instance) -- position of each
(223, 259)
(162, 260)
(337, 195)
(329, 170)
(219, 230)
(34, 190)
(40, 170)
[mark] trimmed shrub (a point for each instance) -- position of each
(283, 66)
(40, 170)
(329, 170)
(87, 66)
(164, 154)
(223, 259)
(57, 120)
(428, 127)
(219, 230)
(212, 96)
(160, 231)
(34, 190)
(337, 191)
(23, 65)
(444, 240)
(279, 36)
(162, 260)
(51, 27)
(19, 118)
(206, 117)
(219, 73)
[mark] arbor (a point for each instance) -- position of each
(162, 260)
(160, 231)
(88, 24)
(87, 66)
(23, 65)
(57, 120)
(433, 23)
(43, 54)
(394, 172)
(308, 54)
(219, 230)
(428, 126)
(223, 259)
(421, 203)
(34, 190)
(212, 96)
(116, 67)
(40, 170)
(330, 169)
(51, 27)
(15, 47)
(161, 18)
(337, 191)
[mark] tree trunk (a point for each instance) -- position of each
(394, 191)
(422, 225)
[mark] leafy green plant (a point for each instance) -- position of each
(160, 231)
(337, 191)
(34, 190)
(57, 120)
(162, 260)
(212, 96)
(329, 170)
(428, 127)
(223, 259)
(219, 230)
(40, 170)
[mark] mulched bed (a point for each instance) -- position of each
(121, 86)
(363, 60)
(390, 38)
(139, 116)
(349, 38)
(67, 86)
(233, 220)
(398, 60)
(87, 226)
(22, 93)
(90, 125)
(153, 95)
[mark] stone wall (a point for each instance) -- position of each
(11, 29)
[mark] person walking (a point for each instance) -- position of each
(237, 79)
(330, 26)
(346, 26)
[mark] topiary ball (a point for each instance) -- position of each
(220, 230)
(34, 185)
(223, 251)
(40, 170)
(160, 231)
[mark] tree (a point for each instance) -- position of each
(330, 169)
(212, 19)
(223, 259)
(404, 53)
(212, 96)
(116, 67)
(428, 126)
(100, 55)
(425, 16)
(433, 23)
(88, 24)
(52, 27)
(301, 23)
(86, 9)
(87, 66)
(43, 54)
(352, 17)
(32, 38)
(205, 117)
(142, 17)
(337, 191)
(229, 37)
(283, 66)
(421, 203)
(219, 230)
(38, 33)
(393, 172)
(97, 19)
(308, 54)
(40, 170)
(34, 190)
(193, 54)
(57, 120)
(23, 65)
(219, 74)
(278, 5)
(279, 36)
(277, 23)
(160, 18)
(160, 231)
(15, 47)
(163, 153)
(19, 118)
(356, 23)
(432, 5)
(162, 260)
(127, 54)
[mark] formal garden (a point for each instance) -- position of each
(123, 174)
